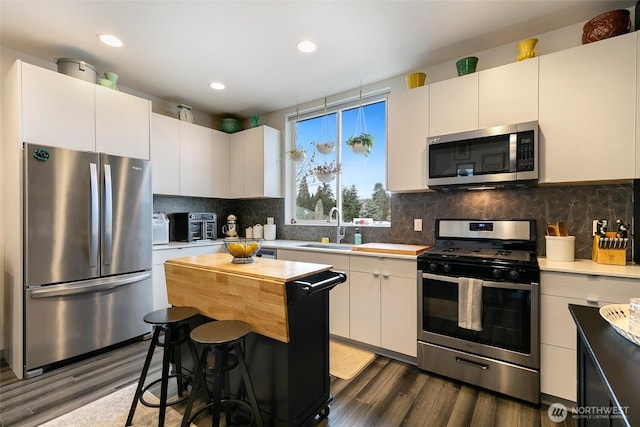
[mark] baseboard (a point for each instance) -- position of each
(548, 400)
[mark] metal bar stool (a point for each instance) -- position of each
(221, 337)
(173, 322)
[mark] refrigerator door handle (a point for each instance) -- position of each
(88, 286)
(94, 218)
(108, 215)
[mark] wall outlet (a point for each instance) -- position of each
(417, 224)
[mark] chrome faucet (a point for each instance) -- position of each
(339, 230)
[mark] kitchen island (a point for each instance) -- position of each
(608, 372)
(287, 305)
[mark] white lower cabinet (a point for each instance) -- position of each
(157, 271)
(338, 296)
(557, 329)
(364, 308)
(383, 303)
(378, 303)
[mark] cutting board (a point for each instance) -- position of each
(391, 248)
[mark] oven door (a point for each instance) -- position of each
(510, 319)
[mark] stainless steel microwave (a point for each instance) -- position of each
(500, 156)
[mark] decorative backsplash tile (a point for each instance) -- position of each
(577, 205)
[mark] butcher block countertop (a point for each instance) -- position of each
(255, 293)
(390, 248)
(262, 268)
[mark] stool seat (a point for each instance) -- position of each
(220, 332)
(166, 316)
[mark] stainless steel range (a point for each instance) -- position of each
(479, 305)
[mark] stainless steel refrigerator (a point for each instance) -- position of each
(87, 252)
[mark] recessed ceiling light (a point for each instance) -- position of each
(216, 85)
(110, 40)
(306, 46)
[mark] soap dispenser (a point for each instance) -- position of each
(357, 238)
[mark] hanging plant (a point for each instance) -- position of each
(361, 142)
(297, 154)
(327, 144)
(325, 147)
(325, 172)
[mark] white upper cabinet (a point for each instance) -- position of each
(165, 154)
(122, 123)
(255, 165)
(407, 131)
(453, 105)
(588, 98)
(508, 94)
(221, 167)
(57, 109)
(196, 160)
(63, 111)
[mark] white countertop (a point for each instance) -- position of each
(586, 266)
(578, 266)
(286, 244)
(178, 245)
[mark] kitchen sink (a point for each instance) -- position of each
(327, 246)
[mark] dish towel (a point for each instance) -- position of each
(470, 303)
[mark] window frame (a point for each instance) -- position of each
(339, 106)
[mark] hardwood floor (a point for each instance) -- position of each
(386, 393)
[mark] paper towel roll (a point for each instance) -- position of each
(270, 232)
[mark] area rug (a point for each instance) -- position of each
(113, 409)
(346, 361)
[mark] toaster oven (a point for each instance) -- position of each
(193, 226)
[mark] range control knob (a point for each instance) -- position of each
(496, 273)
(446, 268)
(433, 266)
(514, 274)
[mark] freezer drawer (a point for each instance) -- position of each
(67, 320)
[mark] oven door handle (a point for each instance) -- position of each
(485, 283)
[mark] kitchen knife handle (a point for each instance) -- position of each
(94, 218)
(108, 215)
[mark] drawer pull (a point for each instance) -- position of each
(472, 363)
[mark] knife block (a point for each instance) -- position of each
(607, 256)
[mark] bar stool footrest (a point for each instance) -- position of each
(176, 400)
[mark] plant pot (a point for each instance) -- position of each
(359, 148)
(527, 49)
(415, 80)
(325, 177)
(326, 148)
(467, 65)
(299, 156)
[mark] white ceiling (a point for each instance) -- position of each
(174, 49)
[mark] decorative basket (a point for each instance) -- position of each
(618, 317)
(243, 250)
(609, 24)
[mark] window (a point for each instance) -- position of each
(334, 174)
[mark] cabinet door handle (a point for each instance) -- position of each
(385, 276)
(593, 299)
(376, 275)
